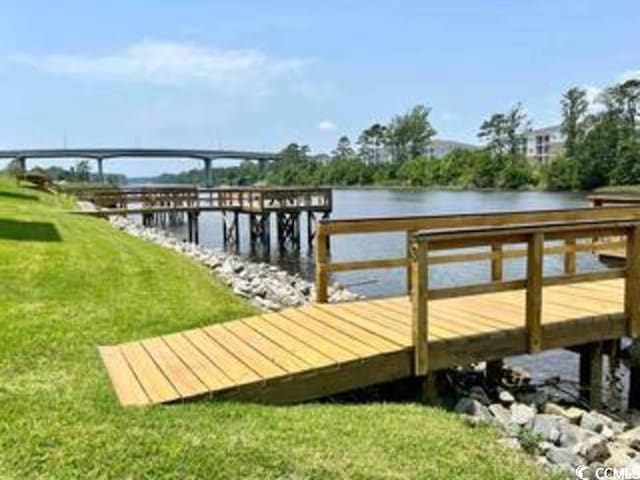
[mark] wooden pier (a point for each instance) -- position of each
(306, 353)
(615, 254)
(162, 205)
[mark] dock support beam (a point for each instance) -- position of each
(591, 374)
(207, 172)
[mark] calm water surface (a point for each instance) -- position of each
(377, 203)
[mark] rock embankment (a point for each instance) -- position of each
(265, 286)
(561, 437)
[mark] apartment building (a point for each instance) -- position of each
(543, 144)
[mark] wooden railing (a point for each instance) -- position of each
(265, 199)
(246, 199)
(534, 236)
(327, 229)
(611, 199)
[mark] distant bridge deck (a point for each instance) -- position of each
(321, 349)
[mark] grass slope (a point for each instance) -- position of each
(69, 283)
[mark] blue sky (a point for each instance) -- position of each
(258, 75)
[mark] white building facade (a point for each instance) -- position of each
(543, 144)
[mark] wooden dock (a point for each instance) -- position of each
(314, 351)
(310, 352)
(161, 205)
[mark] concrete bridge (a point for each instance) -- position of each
(102, 154)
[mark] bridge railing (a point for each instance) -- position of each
(534, 236)
(329, 229)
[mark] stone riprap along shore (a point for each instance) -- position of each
(265, 286)
(562, 438)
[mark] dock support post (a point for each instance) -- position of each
(494, 371)
(632, 283)
(535, 252)
(311, 222)
(326, 215)
(322, 257)
(196, 227)
(260, 232)
(193, 227)
(288, 230)
(634, 388)
(231, 230)
(429, 389)
(634, 375)
(419, 306)
(591, 374)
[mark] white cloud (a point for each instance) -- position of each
(166, 62)
(327, 126)
(592, 93)
(630, 75)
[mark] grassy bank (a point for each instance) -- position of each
(69, 283)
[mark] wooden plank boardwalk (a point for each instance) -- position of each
(309, 352)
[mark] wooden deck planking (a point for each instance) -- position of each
(151, 378)
(300, 354)
(124, 382)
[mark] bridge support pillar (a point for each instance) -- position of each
(100, 170)
(207, 172)
(22, 161)
(591, 374)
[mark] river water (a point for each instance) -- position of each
(385, 203)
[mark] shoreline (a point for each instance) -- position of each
(266, 287)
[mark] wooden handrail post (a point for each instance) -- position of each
(419, 306)
(570, 256)
(632, 282)
(535, 257)
(496, 262)
(409, 266)
(322, 257)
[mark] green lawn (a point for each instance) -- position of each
(69, 283)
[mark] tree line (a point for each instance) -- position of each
(601, 147)
(80, 172)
